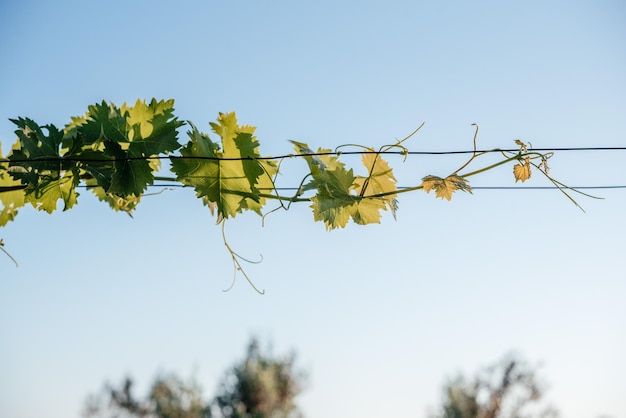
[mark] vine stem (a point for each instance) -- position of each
(473, 154)
(508, 160)
(294, 199)
(410, 189)
(7, 253)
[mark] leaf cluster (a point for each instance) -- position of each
(111, 150)
(228, 178)
(341, 195)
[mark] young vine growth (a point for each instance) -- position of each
(116, 153)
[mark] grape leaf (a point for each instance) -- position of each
(36, 162)
(445, 187)
(131, 176)
(103, 122)
(35, 153)
(226, 178)
(336, 201)
(48, 194)
(113, 144)
(152, 128)
(367, 210)
(381, 180)
(317, 163)
(522, 171)
(117, 203)
(333, 202)
(11, 199)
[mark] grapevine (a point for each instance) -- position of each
(115, 153)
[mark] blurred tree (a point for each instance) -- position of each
(169, 397)
(261, 386)
(508, 389)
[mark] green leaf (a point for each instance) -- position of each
(35, 154)
(117, 203)
(227, 179)
(317, 163)
(336, 201)
(115, 144)
(48, 194)
(13, 198)
(103, 122)
(36, 163)
(333, 202)
(130, 177)
(152, 128)
(97, 166)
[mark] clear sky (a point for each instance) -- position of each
(380, 315)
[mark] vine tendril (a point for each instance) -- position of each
(7, 253)
(237, 265)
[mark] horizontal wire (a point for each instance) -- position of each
(335, 153)
(174, 185)
(311, 154)
(406, 187)
(510, 150)
(545, 187)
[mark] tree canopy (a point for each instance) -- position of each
(260, 386)
(507, 389)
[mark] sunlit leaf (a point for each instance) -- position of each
(522, 170)
(114, 144)
(11, 200)
(226, 178)
(341, 195)
(47, 195)
(117, 203)
(152, 127)
(367, 210)
(444, 188)
(381, 180)
(333, 204)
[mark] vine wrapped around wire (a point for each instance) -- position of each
(115, 152)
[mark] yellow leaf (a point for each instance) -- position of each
(522, 171)
(380, 180)
(445, 187)
(10, 201)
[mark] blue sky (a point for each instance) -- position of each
(380, 315)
